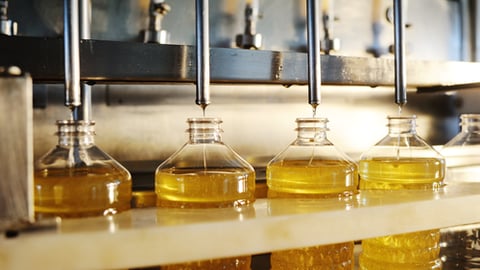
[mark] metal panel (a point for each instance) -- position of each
(131, 62)
(16, 151)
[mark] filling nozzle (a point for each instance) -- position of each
(84, 111)
(71, 54)
(203, 54)
(314, 60)
(399, 46)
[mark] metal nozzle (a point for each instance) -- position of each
(203, 53)
(84, 111)
(399, 44)
(71, 53)
(314, 61)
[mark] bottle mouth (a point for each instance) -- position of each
(312, 124)
(204, 124)
(401, 120)
(76, 127)
(402, 124)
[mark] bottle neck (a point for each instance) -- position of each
(75, 133)
(470, 123)
(311, 130)
(205, 130)
(402, 125)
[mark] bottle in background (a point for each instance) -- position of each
(460, 245)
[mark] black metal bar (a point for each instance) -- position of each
(399, 46)
(203, 53)
(314, 63)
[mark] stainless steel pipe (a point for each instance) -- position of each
(314, 60)
(71, 53)
(84, 111)
(399, 47)
(203, 53)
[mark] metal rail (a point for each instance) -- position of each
(133, 63)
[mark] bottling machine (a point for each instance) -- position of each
(137, 63)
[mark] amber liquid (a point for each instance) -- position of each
(211, 188)
(316, 178)
(81, 192)
(418, 250)
(313, 179)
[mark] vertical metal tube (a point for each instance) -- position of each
(399, 42)
(85, 19)
(84, 112)
(203, 53)
(71, 53)
(314, 61)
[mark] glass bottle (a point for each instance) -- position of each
(460, 247)
(312, 167)
(206, 173)
(401, 161)
(77, 179)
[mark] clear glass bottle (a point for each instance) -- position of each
(312, 167)
(401, 160)
(460, 247)
(206, 173)
(462, 152)
(77, 179)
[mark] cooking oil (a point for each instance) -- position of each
(213, 188)
(401, 173)
(206, 173)
(81, 192)
(312, 167)
(77, 179)
(242, 263)
(417, 250)
(402, 161)
(313, 179)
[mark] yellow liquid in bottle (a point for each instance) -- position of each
(403, 173)
(81, 192)
(418, 250)
(206, 189)
(313, 179)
